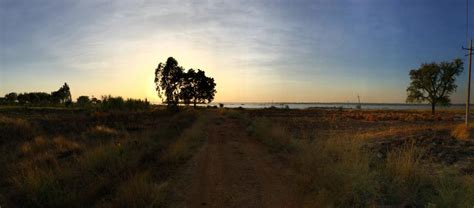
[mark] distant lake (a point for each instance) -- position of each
(374, 106)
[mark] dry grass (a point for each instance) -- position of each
(273, 135)
(336, 168)
(407, 176)
(462, 132)
(15, 129)
(82, 169)
(181, 148)
(336, 173)
(140, 190)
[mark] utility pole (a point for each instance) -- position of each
(468, 81)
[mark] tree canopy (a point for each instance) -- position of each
(168, 79)
(63, 95)
(197, 87)
(434, 83)
(174, 85)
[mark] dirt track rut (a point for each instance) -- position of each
(234, 170)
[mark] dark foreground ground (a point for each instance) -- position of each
(234, 158)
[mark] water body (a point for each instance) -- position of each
(373, 106)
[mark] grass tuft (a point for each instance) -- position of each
(336, 173)
(140, 190)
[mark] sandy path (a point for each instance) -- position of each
(233, 170)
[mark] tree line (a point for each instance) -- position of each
(431, 82)
(60, 97)
(175, 85)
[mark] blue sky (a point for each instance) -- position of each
(289, 51)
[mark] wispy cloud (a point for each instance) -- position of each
(247, 45)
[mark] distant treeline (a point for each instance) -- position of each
(62, 98)
(112, 103)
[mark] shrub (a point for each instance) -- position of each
(112, 103)
(83, 101)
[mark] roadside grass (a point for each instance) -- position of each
(182, 148)
(140, 190)
(275, 136)
(104, 165)
(337, 173)
(340, 171)
(407, 177)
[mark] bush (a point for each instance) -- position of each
(83, 101)
(110, 103)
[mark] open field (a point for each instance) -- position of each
(56, 157)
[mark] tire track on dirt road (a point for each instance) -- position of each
(234, 170)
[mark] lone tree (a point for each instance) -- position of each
(168, 79)
(196, 86)
(174, 85)
(434, 82)
(63, 95)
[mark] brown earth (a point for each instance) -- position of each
(234, 170)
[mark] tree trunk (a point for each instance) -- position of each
(433, 108)
(194, 103)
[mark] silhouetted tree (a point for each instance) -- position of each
(188, 86)
(34, 98)
(168, 78)
(434, 82)
(196, 87)
(11, 97)
(205, 88)
(63, 95)
(95, 101)
(83, 100)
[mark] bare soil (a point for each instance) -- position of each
(234, 170)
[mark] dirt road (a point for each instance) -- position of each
(234, 170)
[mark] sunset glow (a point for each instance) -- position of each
(257, 51)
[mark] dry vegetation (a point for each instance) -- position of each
(371, 158)
(339, 158)
(76, 158)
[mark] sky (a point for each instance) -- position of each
(256, 50)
